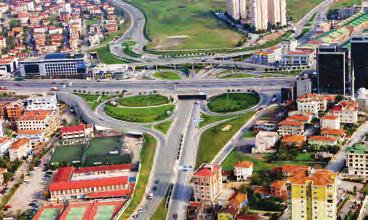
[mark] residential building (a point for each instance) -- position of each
(55, 65)
(277, 12)
(19, 149)
(313, 103)
(263, 125)
(313, 196)
(332, 63)
(303, 85)
(40, 120)
(296, 141)
(337, 133)
(14, 110)
(227, 212)
(2, 171)
(359, 50)
(237, 9)
(243, 170)
(108, 181)
(287, 127)
(279, 189)
(5, 143)
(322, 141)
(330, 122)
(207, 184)
(44, 102)
(357, 160)
(258, 14)
(265, 142)
(76, 134)
(347, 111)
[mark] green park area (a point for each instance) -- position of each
(93, 100)
(232, 102)
(237, 76)
(344, 3)
(215, 138)
(166, 75)
(147, 157)
(296, 9)
(140, 115)
(105, 56)
(143, 100)
(163, 127)
(209, 119)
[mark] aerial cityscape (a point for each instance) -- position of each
(184, 109)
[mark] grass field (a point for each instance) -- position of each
(143, 100)
(166, 75)
(232, 102)
(67, 154)
(106, 57)
(183, 24)
(214, 139)
(100, 151)
(147, 157)
(209, 119)
(93, 100)
(298, 8)
(344, 3)
(140, 115)
(237, 76)
(163, 127)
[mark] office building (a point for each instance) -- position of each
(56, 65)
(237, 9)
(359, 61)
(207, 184)
(313, 196)
(333, 70)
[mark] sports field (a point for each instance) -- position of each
(106, 150)
(49, 214)
(68, 154)
(104, 212)
(76, 213)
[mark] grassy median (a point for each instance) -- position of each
(232, 102)
(93, 100)
(144, 100)
(166, 75)
(163, 127)
(215, 138)
(209, 119)
(147, 158)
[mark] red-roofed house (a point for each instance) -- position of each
(289, 127)
(207, 184)
(19, 149)
(279, 189)
(243, 170)
(330, 122)
(91, 183)
(76, 134)
(347, 111)
(297, 141)
(322, 141)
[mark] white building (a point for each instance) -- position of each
(277, 12)
(288, 127)
(357, 160)
(265, 142)
(5, 143)
(303, 85)
(19, 149)
(243, 170)
(297, 58)
(237, 9)
(330, 122)
(258, 14)
(347, 111)
(311, 103)
(44, 102)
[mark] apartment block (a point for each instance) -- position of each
(40, 120)
(357, 160)
(19, 149)
(347, 111)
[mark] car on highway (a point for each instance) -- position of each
(150, 195)
(140, 209)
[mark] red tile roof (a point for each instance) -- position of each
(79, 184)
(104, 168)
(322, 138)
(330, 117)
(205, 171)
(244, 164)
(106, 194)
(19, 143)
(72, 129)
(291, 123)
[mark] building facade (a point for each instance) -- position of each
(359, 50)
(19, 149)
(357, 160)
(243, 170)
(44, 102)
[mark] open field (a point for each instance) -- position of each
(67, 154)
(345, 3)
(185, 24)
(106, 150)
(105, 56)
(165, 75)
(147, 158)
(93, 100)
(298, 8)
(140, 115)
(215, 138)
(143, 100)
(163, 127)
(232, 102)
(209, 119)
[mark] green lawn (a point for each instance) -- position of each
(91, 21)
(93, 100)
(298, 8)
(143, 100)
(106, 57)
(232, 102)
(67, 154)
(147, 157)
(344, 3)
(163, 127)
(214, 139)
(249, 134)
(209, 119)
(237, 75)
(183, 24)
(140, 115)
(166, 75)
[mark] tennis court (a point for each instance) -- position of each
(76, 213)
(106, 150)
(105, 212)
(49, 214)
(70, 154)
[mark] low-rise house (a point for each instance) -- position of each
(297, 141)
(278, 189)
(5, 143)
(330, 122)
(340, 134)
(2, 171)
(320, 141)
(311, 102)
(43, 120)
(357, 160)
(305, 118)
(76, 134)
(14, 110)
(287, 127)
(265, 142)
(19, 149)
(347, 111)
(243, 170)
